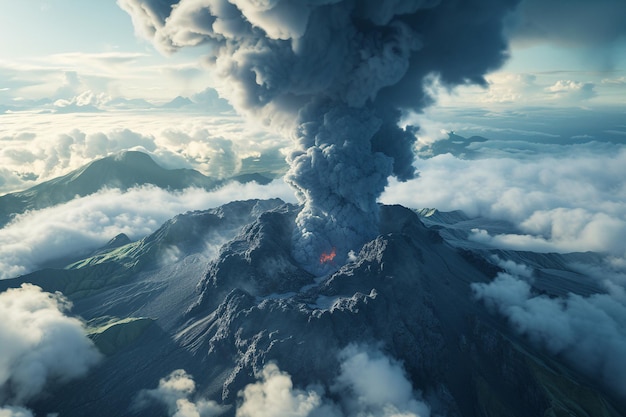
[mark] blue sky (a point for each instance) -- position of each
(54, 49)
(46, 40)
(38, 28)
(64, 63)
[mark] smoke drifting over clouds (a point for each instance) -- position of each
(589, 332)
(39, 344)
(343, 71)
(369, 384)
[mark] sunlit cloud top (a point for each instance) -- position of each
(59, 49)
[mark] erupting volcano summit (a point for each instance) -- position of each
(337, 76)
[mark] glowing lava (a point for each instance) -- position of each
(327, 257)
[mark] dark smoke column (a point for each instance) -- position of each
(336, 75)
(337, 178)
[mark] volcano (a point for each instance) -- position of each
(248, 312)
(327, 257)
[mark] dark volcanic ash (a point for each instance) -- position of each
(337, 74)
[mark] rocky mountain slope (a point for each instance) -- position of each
(217, 294)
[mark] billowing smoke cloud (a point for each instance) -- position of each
(369, 384)
(589, 332)
(342, 71)
(39, 344)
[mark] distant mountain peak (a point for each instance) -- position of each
(123, 170)
(178, 102)
(118, 241)
(129, 156)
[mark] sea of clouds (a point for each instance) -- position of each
(589, 332)
(38, 147)
(561, 197)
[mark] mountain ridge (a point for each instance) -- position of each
(123, 170)
(223, 316)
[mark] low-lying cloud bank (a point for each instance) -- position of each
(563, 202)
(560, 202)
(85, 224)
(369, 384)
(39, 345)
(588, 332)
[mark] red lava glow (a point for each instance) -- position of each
(328, 256)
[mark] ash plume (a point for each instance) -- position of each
(337, 75)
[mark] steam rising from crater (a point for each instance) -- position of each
(336, 75)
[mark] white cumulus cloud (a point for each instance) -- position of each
(175, 392)
(39, 345)
(572, 89)
(38, 147)
(275, 396)
(369, 384)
